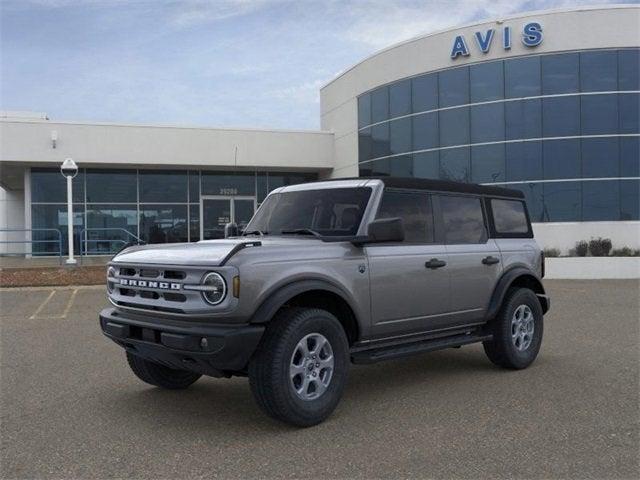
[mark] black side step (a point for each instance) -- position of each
(398, 351)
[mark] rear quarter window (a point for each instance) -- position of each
(510, 218)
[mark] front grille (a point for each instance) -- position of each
(155, 289)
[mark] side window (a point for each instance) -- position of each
(463, 219)
(415, 211)
(509, 217)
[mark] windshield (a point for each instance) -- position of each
(326, 212)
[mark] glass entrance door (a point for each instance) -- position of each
(217, 211)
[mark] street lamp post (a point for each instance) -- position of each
(69, 169)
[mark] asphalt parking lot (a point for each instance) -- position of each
(71, 407)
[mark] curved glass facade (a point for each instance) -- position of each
(563, 128)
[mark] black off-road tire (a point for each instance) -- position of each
(269, 374)
(159, 375)
(501, 349)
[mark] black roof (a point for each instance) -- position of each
(443, 186)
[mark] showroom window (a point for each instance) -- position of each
(583, 123)
(113, 207)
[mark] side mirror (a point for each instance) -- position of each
(230, 230)
(385, 230)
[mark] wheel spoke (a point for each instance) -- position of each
(296, 370)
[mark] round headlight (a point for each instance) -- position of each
(111, 273)
(216, 288)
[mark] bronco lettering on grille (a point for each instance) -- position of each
(147, 284)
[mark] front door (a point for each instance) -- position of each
(216, 211)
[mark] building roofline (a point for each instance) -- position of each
(168, 126)
(526, 14)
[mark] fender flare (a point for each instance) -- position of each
(276, 299)
(507, 279)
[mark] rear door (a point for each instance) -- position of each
(406, 295)
(474, 259)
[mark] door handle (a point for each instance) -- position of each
(435, 263)
(490, 260)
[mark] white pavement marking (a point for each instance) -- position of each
(69, 303)
(42, 305)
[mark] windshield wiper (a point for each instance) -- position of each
(302, 231)
(254, 232)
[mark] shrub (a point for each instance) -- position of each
(600, 247)
(581, 248)
(551, 252)
(625, 252)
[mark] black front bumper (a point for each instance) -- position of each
(214, 350)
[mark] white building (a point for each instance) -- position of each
(546, 102)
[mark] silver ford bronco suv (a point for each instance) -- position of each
(328, 273)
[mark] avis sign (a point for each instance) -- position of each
(531, 37)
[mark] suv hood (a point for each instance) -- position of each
(209, 252)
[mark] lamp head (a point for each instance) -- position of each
(69, 168)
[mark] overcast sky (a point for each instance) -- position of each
(247, 63)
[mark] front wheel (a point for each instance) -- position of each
(517, 330)
(299, 371)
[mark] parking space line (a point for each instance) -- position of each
(69, 304)
(42, 305)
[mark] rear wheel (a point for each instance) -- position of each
(299, 371)
(517, 330)
(159, 375)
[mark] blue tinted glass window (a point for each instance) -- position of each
(454, 87)
(365, 145)
(194, 186)
(54, 217)
(533, 197)
(600, 201)
(487, 163)
(48, 185)
(401, 166)
(523, 119)
(425, 92)
(599, 114)
(163, 223)
(380, 140)
(600, 157)
(194, 222)
(523, 161)
(380, 104)
(163, 187)
(630, 200)
(630, 157)
(629, 112)
(560, 73)
(561, 116)
(107, 186)
(454, 164)
(487, 81)
(487, 123)
(400, 98)
(364, 110)
(111, 222)
(364, 170)
(562, 201)
(561, 159)
(522, 77)
(599, 71)
(262, 187)
(426, 165)
(454, 127)
(226, 183)
(425, 131)
(380, 168)
(400, 135)
(629, 69)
